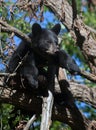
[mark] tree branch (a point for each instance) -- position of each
(24, 100)
(47, 107)
(91, 29)
(5, 27)
(84, 93)
(67, 113)
(89, 76)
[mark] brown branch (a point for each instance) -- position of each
(89, 76)
(67, 113)
(79, 91)
(91, 29)
(25, 100)
(5, 27)
(84, 93)
(47, 107)
(69, 100)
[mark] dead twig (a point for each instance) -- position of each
(7, 74)
(33, 118)
(18, 66)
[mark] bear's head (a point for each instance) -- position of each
(45, 40)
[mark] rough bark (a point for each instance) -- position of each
(80, 92)
(66, 112)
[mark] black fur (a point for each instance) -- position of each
(43, 41)
(65, 61)
(44, 52)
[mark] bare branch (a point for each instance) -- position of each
(29, 123)
(7, 28)
(84, 93)
(89, 76)
(79, 91)
(47, 106)
(7, 74)
(67, 113)
(1, 50)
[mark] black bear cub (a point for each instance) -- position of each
(44, 51)
(43, 40)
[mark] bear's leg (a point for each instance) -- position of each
(65, 61)
(51, 77)
(29, 71)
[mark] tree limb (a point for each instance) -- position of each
(47, 106)
(91, 29)
(89, 76)
(5, 27)
(64, 113)
(67, 113)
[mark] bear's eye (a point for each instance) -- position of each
(48, 41)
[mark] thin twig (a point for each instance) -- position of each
(18, 66)
(1, 50)
(33, 118)
(7, 74)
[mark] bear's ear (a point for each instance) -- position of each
(56, 29)
(36, 29)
